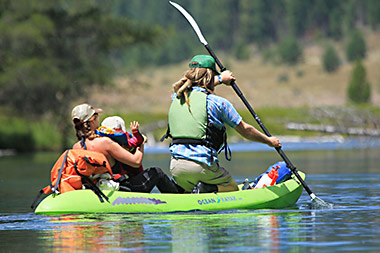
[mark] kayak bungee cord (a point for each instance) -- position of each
(316, 203)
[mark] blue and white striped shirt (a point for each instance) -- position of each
(220, 112)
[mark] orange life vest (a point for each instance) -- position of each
(73, 166)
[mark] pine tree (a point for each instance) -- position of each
(289, 50)
(356, 47)
(359, 90)
(373, 7)
(330, 59)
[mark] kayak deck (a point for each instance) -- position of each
(85, 201)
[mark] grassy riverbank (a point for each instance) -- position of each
(25, 135)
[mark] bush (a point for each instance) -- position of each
(356, 47)
(330, 59)
(359, 89)
(283, 78)
(289, 51)
(300, 73)
(16, 135)
(269, 56)
(242, 51)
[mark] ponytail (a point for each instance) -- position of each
(202, 77)
(83, 131)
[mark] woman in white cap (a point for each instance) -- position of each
(86, 120)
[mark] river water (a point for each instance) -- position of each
(349, 179)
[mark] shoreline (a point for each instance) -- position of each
(289, 143)
(294, 143)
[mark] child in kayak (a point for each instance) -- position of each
(114, 128)
(86, 121)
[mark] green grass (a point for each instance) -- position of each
(16, 134)
(24, 135)
(46, 136)
(275, 119)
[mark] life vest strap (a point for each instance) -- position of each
(166, 135)
(188, 141)
(93, 187)
(94, 164)
(55, 188)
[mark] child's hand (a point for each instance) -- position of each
(134, 126)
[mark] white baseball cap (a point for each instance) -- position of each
(115, 123)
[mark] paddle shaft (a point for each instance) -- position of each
(279, 150)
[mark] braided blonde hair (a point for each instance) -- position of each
(202, 77)
(83, 129)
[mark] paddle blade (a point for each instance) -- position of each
(317, 203)
(192, 22)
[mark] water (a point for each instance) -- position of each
(350, 179)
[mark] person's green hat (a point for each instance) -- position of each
(203, 61)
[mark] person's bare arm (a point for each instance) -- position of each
(226, 76)
(124, 156)
(251, 133)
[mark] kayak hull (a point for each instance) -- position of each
(85, 201)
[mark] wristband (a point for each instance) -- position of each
(220, 79)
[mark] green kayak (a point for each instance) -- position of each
(85, 201)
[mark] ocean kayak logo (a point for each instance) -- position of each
(137, 200)
(217, 200)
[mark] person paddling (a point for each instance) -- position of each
(197, 119)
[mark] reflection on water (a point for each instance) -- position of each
(275, 231)
(72, 233)
(196, 232)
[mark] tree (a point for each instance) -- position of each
(330, 59)
(320, 14)
(53, 51)
(255, 21)
(297, 16)
(356, 48)
(289, 50)
(242, 51)
(373, 13)
(235, 24)
(359, 90)
(335, 26)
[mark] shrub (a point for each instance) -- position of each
(16, 135)
(283, 78)
(300, 73)
(359, 89)
(242, 51)
(356, 47)
(330, 59)
(269, 56)
(289, 51)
